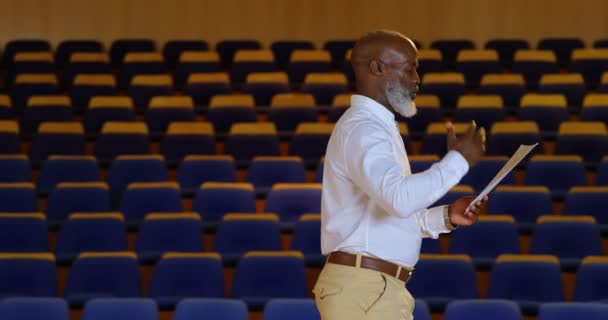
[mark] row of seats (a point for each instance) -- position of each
(301, 63)
(528, 280)
(127, 187)
(580, 143)
(277, 309)
(147, 309)
(159, 233)
(532, 64)
(507, 310)
(171, 50)
(212, 200)
(570, 238)
(289, 109)
(248, 56)
(506, 48)
(177, 275)
(246, 140)
(201, 86)
(265, 171)
(448, 86)
(472, 63)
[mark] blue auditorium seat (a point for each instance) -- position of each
(32, 308)
(239, 233)
(570, 238)
(214, 199)
(431, 273)
(294, 309)
(529, 280)
(477, 240)
(23, 232)
(256, 280)
(70, 197)
(166, 232)
(482, 309)
(211, 309)
(91, 232)
(592, 280)
(28, 275)
(181, 276)
(89, 277)
(120, 309)
(142, 198)
(569, 310)
(291, 200)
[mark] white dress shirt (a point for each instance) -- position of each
(371, 202)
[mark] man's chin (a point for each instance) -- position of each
(409, 112)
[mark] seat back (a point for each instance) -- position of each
(70, 197)
(142, 198)
(537, 278)
(214, 199)
(120, 309)
(256, 279)
(187, 275)
(23, 232)
(433, 266)
(91, 232)
(89, 277)
(32, 308)
(290, 201)
(591, 279)
(212, 309)
(28, 274)
(239, 233)
(164, 232)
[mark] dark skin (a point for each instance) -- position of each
(389, 58)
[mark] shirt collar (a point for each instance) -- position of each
(374, 107)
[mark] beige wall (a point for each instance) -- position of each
(317, 20)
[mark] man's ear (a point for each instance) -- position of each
(376, 67)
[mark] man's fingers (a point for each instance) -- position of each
(479, 138)
(451, 135)
(474, 211)
(482, 134)
(472, 130)
(471, 217)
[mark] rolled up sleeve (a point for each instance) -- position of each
(373, 166)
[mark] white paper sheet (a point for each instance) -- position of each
(516, 158)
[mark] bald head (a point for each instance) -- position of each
(380, 44)
(385, 65)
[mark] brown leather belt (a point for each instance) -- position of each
(349, 259)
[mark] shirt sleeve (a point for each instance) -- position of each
(372, 165)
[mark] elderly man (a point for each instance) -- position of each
(374, 211)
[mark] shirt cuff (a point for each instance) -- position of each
(435, 222)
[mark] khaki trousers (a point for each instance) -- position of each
(350, 293)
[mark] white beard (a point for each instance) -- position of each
(400, 100)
